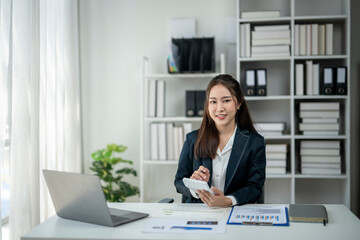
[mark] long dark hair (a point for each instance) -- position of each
(208, 139)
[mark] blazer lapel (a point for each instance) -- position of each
(237, 152)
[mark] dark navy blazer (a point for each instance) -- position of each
(245, 173)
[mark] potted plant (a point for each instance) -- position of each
(114, 187)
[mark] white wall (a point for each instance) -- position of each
(114, 36)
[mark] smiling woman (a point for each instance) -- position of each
(226, 152)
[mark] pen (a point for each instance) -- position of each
(324, 222)
(192, 228)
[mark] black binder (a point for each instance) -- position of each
(250, 87)
(327, 82)
(207, 60)
(195, 54)
(341, 81)
(200, 100)
(184, 46)
(190, 104)
(261, 82)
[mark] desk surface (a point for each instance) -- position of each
(342, 225)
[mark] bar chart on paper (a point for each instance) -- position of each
(267, 215)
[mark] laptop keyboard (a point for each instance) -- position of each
(119, 219)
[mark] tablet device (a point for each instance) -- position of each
(197, 185)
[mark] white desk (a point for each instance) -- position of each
(342, 225)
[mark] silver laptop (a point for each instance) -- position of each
(80, 197)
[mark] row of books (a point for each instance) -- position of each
(265, 41)
(319, 118)
(320, 157)
(332, 80)
(270, 129)
(276, 158)
(313, 39)
(311, 80)
(156, 98)
(167, 139)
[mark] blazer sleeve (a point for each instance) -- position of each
(252, 189)
(185, 165)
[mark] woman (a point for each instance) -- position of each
(226, 152)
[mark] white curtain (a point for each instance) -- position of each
(44, 93)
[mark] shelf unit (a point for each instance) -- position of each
(157, 176)
(281, 104)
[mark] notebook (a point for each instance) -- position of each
(80, 197)
(308, 213)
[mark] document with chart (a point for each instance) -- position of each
(259, 215)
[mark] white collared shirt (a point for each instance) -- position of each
(219, 166)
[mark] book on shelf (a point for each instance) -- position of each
(320, 120)
(274, 126)
(270, 49)
(271, 133)
(162, 141)
(170, 140)
(154, 138)
(316, 79)
(299, 79)
(318, 126)
(296, 40)
(319, 114)
(275, 148)
(309, 76)
(320, 165)
(314, 39)
(275, 155)
(270, 34)
(260, 14)
(302, 40)
(152, 98)
(160, 98)
(275, 170)
(321, 171)
(319, 144)
(270, 41)
(319, 152)
(329, 28)
(270, 55)
(320, 159)
(276, 163)
(247, 40)
(272, 28)
(321, 38)
(242, 41)
(308, 39)
(321, 133)
(320, 106)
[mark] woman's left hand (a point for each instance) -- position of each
(219, 200)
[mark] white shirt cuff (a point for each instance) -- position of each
(194, 194)
(233, 200)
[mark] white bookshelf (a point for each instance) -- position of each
(281, 103)
(157, 176)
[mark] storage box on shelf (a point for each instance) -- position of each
(319, 45)
(164, 126)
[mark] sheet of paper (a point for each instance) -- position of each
(191, 211)
(165, 225)
(255, 214)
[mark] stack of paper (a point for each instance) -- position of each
(276, 158)
(319, 118)
(320, 157)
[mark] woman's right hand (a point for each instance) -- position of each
(202, 174)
